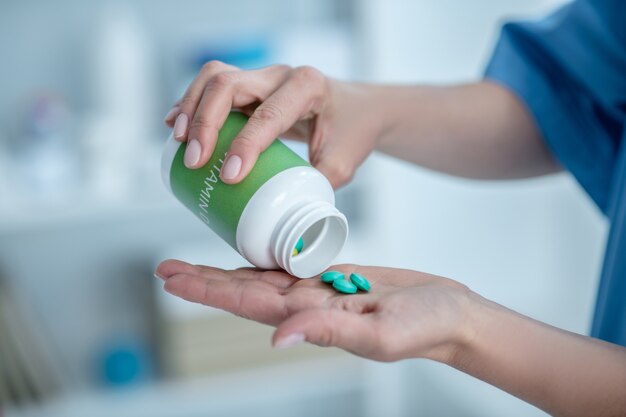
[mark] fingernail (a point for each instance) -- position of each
(180, 127)
(192, 154)
(289, 341)
(159, 276)
(231, 168)
(171, 113)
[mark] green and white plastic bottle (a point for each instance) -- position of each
(282, 199)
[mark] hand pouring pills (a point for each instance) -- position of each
(282, 202)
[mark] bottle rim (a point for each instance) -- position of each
(324, 230)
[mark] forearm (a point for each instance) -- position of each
(476, 130)
(560, 372)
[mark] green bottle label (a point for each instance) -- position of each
(217, 204)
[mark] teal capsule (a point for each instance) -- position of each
(300, 245)
(344, 286)
(360, 282)
(330, 276)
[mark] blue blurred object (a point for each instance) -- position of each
(246, 53)
(125, 364)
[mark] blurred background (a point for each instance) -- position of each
(85, 329)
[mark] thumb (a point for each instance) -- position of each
(343, 329)
(338, 172)
(338, 161)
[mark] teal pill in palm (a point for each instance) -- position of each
(300, 245)
(344, 286)
(360, 282)
(330, 276)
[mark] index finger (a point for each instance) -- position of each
(300, 96)
(251, 299)
(224, 91)
(186, 106)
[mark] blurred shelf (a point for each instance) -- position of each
(24, 215)
(306, 389)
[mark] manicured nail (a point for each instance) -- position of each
(192, 154)
(180, 127)
(170, 114)
(231, 168)
(159, 276)
(289, 341)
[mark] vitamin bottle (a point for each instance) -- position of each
(282, 200)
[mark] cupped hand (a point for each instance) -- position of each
(339, 120)
(405, 314)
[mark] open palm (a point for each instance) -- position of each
(405, 314)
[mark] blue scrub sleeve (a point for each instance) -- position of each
(569, 70)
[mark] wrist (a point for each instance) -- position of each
(403, 112)
(478, 312)
(486, 324)
(383, 111)
(370, 106)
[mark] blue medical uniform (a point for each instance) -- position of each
(570, 71)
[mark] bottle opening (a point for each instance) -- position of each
(324, 231)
